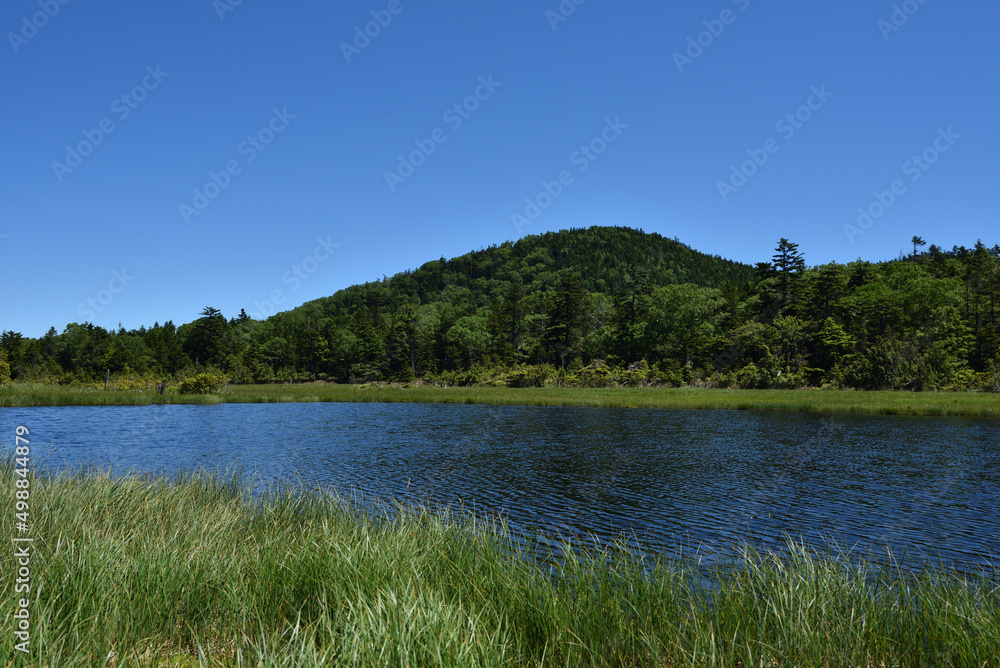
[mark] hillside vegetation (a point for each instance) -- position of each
(594, 307)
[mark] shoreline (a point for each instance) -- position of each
(952, 404)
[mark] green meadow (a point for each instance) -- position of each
(195, 571)
(969, 404)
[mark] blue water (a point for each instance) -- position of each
(925, 487)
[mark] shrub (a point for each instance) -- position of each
(530, 376)
(752, 377)
(203, 383)
(638, 374)
(598, 374)
(673, 375)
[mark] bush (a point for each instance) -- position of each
(530, 376)
(674, 374)
(752, 377)
(203, 383)
(638, 374)
(132, 383)
(597, 374)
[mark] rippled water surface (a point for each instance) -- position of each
(927, 486)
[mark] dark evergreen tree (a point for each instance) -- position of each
(789, 265)
(205, 342)
(563, 328)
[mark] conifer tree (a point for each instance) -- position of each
(789, 264)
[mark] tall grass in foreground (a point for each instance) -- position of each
(195, 571)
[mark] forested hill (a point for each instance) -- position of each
(599, 306)
(606, 258)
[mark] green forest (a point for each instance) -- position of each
(593, 307)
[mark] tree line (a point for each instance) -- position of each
(597, 306)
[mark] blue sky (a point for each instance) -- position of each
(599, 113)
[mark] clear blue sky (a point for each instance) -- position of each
(199, 80)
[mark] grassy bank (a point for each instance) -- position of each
(190, 571)
(873, 403)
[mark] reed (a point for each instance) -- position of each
(197, 570)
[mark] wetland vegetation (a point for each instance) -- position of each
(196, 570)
(967, 404)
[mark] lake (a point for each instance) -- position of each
(924, 486)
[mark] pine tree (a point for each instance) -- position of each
(789, 264)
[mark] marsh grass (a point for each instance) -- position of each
(968, 404)
(198, 570)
